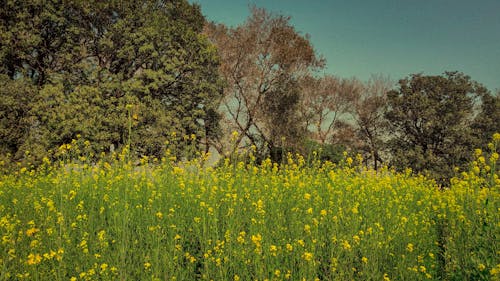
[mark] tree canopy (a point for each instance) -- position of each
(431, 121)
(70, 68)
(156, 75)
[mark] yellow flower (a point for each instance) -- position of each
(494, 157)
(307, 228)
(307, 256)
(256, 239)
(496, 137)
(35, 243)
(346, 245)
(34, 259)
(177, 171)
(356, 239)
(32, 231)
(104, 266)
(101, 235)
(60, 253)
(50, 255)
(364, 259)
(234, 136)
(349, 161)
(241, 237)
(386, 278)
(273, 249)
(409, 247)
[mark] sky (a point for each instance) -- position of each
(394, 38)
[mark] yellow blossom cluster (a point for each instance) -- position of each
(247, 221)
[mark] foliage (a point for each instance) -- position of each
(161, 220)
(430, 119)
(85, 61)
(325, 152)
(14, 113)
(153, 75)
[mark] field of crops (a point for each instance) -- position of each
(297, 221)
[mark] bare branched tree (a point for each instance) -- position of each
(326, 104)
(368, 112)
(262, 62)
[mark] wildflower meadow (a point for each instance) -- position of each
(164, 219)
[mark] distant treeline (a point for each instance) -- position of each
(156, 75)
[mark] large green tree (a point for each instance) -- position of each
(71, 68)
(431, 123)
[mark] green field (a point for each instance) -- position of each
(241, 221)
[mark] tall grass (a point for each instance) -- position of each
(243, 221)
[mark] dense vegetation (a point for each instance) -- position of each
(247, 221)
(139, 72)
(71, 68)
(110, 110)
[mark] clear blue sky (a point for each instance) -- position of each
(391, 37)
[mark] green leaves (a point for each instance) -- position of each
(431, 120)
(87, 60)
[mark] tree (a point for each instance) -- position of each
(430, 118)
(14, 112)
(487, 122)
(326, 102)
(262, 62)
(88, 60)
(369, 108)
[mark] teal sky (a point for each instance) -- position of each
(390, 37)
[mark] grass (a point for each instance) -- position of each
(167, 221)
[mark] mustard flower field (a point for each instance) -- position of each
(173, 220)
